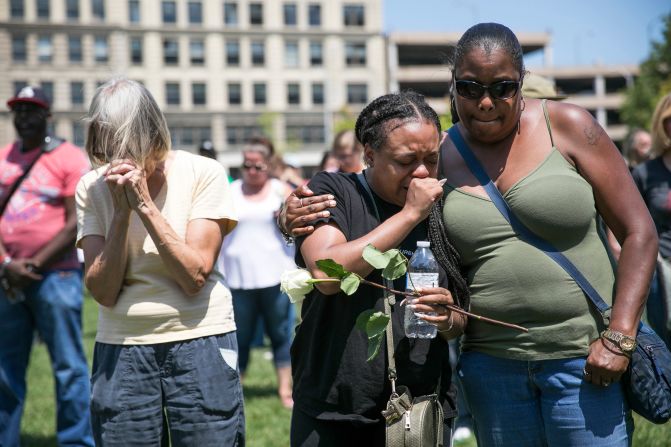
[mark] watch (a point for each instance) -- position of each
(626, 343)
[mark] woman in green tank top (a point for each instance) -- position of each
(558, 170)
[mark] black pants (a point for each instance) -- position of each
(307, 431)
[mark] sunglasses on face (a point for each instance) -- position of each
(258, 166)
(497, 90)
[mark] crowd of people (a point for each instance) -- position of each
(186, 266)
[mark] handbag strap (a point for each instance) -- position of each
(522, 231)
(50, 143)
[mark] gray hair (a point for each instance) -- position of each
(125, 122)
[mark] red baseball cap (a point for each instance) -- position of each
(33, 95)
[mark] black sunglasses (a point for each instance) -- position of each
(258, 166)
(497, 90)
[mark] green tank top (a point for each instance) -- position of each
(513, 281)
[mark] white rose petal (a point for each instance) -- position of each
(294, 283)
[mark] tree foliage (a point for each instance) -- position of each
(653, 82)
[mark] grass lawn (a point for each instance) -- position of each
(267, 420)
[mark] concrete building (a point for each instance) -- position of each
(418, 61)
(221, 69)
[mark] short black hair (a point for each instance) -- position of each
(387, 112)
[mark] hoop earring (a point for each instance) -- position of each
(524, 104)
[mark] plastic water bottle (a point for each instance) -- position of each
(422, 273)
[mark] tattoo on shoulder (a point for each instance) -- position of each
(593, 133)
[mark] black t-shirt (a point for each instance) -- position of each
(332, 378)
(653, 180)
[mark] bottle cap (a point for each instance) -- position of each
(423, 244)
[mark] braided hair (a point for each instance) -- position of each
(375, 122)
(488, 37)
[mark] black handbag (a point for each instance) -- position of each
(647, 381)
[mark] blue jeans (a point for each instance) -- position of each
(541, 403)
(53, 307)
(189, 389)
(275, 306)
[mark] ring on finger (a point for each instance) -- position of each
(606, 382)
(301, 202)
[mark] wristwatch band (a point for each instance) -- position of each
(626, 343)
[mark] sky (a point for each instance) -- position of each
(583, 32)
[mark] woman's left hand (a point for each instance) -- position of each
(605, 363)
(433, 300)
(137, 191)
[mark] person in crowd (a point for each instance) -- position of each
(253, 258)
(653, 179)
(329, 163)
(39, 270)
(150, 222)
(206, 149)
(558, 170)
(536, 86)
(338, 394)
(637, 147)
(348, 151)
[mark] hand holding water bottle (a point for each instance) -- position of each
(422, 274)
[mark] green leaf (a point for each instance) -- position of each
(350, 283)
(377, 323)
(362, 319)
(397, 266)
(375, 257)
(374, 347)
(332, 268)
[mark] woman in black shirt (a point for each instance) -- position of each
(338, 394)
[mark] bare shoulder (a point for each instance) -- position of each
(574, 128)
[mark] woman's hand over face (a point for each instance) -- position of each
(116, 176)
(422, 193)
(137, 191)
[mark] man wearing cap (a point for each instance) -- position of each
(40, 274)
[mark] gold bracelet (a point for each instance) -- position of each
(449, 328)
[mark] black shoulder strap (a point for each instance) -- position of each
(50, 143)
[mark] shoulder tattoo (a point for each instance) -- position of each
(593, 132)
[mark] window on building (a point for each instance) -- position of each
(195, 13)
(314, 14)
(172, 94)
(305, 133)
(78, 133)
(169, 11)
(231, 14)
(353, 15)
(100, 49)
(45, 49)
(72, 9)
(256, 13)
(293, 93)
(48, 89)
(357, 93)
(43, 9)
(355, 54)
(613, 117)
(77, 93)
(258, 53)
(234, 93)
(241, 134)
(98, 9)
(16, 9)
(134, 11)
(182, 136)
(198, 94)
(291, 59)
(75, 48)
(19, 49)
(316, 54)
(232, 53)
(259, 93)
(170, 51)
(197, 51)
(290, 14)
(317, 93)
(136, 50)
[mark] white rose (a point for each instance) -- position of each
(295, 284)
